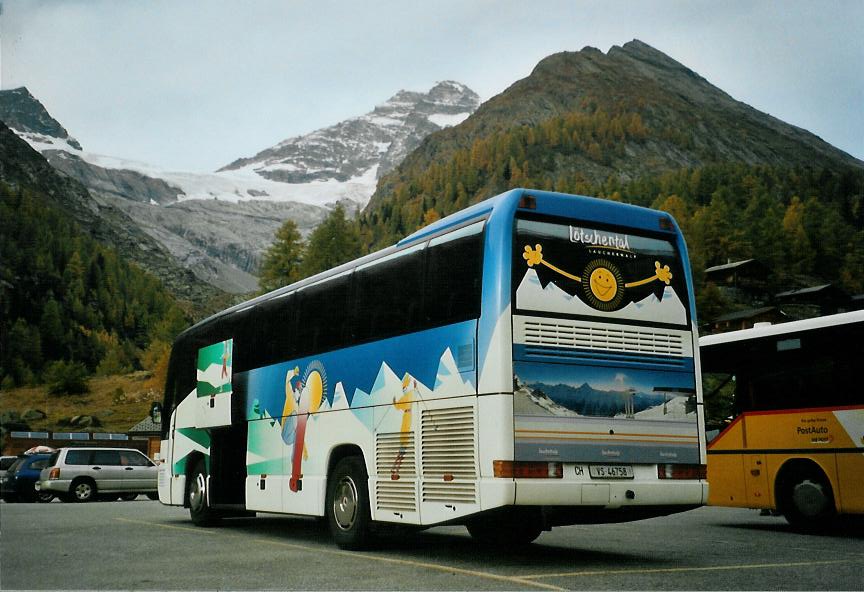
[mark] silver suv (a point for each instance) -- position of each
(80, 474)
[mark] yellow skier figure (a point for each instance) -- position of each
(403, 404)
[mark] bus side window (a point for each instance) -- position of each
(389, 295)
(454, 274)
(324, 316)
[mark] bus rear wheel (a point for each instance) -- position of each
(806, 500)
(348, 504)
(196, 494)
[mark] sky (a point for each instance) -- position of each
(191, 85)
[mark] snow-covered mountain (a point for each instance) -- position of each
(362, 148)
(219, 224)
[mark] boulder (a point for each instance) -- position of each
(32, 414)
(86, 421)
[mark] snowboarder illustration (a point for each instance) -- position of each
(302, 397)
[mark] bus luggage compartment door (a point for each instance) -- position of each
(756, 481)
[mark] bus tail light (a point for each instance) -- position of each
(54, 474)
(527, 470)
(682, 471)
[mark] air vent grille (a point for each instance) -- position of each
(396, 496)
(448, 455)
(394, 453)
(566, 334)
(396, 466)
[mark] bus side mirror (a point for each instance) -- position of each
(156, 412)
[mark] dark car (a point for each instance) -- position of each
(5, 463)
(19, 484)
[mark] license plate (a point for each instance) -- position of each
(610, 471)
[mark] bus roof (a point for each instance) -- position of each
(783, 328)
(550, 202)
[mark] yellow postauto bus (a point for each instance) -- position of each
(796, 441)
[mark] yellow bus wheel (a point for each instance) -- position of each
(805, 498)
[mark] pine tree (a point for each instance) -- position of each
(801, 254)
(281, 264)
(335, 241)
(429, 217)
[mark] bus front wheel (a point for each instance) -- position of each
(199, 506)
(806, 499)
(348, 504)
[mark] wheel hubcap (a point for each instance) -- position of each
(809, 498)
(198, 493)
(83, 491)
(345, 503)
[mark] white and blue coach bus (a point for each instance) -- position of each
(525, 363)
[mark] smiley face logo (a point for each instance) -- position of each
(603, 284)
(604, 288)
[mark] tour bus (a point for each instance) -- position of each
(525, 363)
(796, 444)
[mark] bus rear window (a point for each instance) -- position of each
(582, 270)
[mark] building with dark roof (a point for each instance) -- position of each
(814, 301)
(744, 319)
(744, 281)
(152, 431)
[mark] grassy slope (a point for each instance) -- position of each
(119, 402)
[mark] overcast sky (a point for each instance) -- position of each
(193, 85)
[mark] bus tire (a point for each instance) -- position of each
(506, 529)
(806, 500)
(348, 504)
(196, 494)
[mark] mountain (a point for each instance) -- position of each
(74, 301)
(579, 119)
(21, 167)
(587, 400)
(219, 243)
(372, 143)
(219, 224)
(24, 113)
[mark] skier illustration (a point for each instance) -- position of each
(403, 404)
